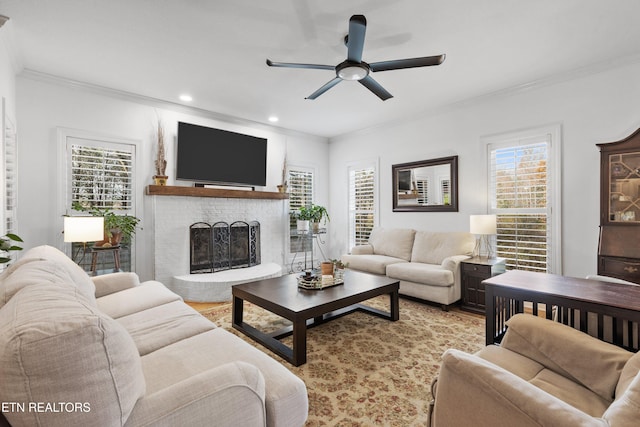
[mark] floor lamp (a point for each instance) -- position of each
(483, 226)
(83, 229)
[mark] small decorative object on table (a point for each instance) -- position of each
(327, 268)
(338, 268)
(316, 282)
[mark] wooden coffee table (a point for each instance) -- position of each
(309, 308)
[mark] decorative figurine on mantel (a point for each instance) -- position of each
(282, 188)
(161, 163)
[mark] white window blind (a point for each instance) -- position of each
(362, 204)
(445, 185)
(300, 194)
(300, 188)
(422, 186)
(519, 190)
(10, 177)
(102, 177)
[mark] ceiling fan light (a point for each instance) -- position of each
(353, 72)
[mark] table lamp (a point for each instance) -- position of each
(83, 229)
(483, 226)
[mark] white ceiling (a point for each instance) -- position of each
(215, 50)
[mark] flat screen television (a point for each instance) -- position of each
(214, 156)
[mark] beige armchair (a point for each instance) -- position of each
(543, 374)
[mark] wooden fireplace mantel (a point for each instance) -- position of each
(168, 190)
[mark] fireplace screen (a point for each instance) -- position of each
(222, 246)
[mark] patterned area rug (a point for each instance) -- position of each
(362, 370)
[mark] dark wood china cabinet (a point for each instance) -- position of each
(619, 245)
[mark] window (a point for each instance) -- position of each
(100, 173)
(523, 195)
(300, 194)
(422, 187)
(101, 177)
(10, 176)
(362, 203)
(445, 185)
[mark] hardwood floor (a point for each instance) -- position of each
(202, 306)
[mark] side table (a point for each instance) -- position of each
(95, 250)
(472, 272)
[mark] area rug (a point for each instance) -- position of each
(362, 370)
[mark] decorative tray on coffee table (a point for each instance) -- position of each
(317, 282)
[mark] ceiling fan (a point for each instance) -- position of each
(354, 68)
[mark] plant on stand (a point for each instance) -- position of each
(318, 213)
(6, 246)
(303, 215)
(117, 228)
(161, 163)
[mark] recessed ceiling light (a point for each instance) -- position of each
(273, 119)
(186, 98)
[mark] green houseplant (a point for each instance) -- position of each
(312, 214)
(6, 246)
(317, 214)
(117, 228)
(303, 215)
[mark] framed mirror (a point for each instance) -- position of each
(426, 185)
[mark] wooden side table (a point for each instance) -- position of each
(605, 310)
(473, 271)
(96, 250)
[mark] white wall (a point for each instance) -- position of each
(595, 108)
(44, 106)
(592, 109)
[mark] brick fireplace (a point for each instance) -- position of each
(174, 214)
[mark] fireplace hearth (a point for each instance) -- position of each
(224, 246)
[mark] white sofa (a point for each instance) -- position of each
(426, 263)
(111, 351)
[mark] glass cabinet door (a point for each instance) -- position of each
(624, 188)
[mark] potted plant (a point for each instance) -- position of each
(303, 215)
(6, 246)
(318, 213)
(117, 228)
(161, 163)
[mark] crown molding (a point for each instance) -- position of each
(555, 79)
(40, 76)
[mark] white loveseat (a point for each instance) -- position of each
(111, 351)
(426, 263)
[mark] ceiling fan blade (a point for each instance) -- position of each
(324, 88)
(399, 64)
(376, 88)
(270, 63)
(355, 39)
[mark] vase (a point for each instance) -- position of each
(303, 225)
(160, 179)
